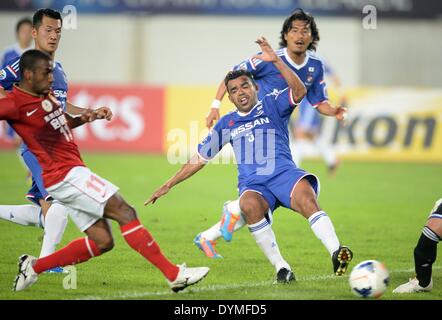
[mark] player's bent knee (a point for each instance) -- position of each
(106, 245)
(128, 213)
(307, 205)
(252, 210)
(118, 209)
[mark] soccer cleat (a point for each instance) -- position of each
(206, 246)
(187, 277)
(285, 275)
(57, 270)
(26, 274)
(228, 221)
(413, 286)
(341, 259)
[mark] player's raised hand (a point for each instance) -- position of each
(157, 194)
(103, 113)
(267, 54)
(212, 117)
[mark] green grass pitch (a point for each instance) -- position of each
(377, 209)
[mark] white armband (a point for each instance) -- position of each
(215, 104)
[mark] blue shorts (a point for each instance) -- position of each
(37, 191)
(278, 190)
(308, 118)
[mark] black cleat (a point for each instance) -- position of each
(285, 275)
(341, 259)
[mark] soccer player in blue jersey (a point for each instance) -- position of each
(299, 37)
(268, 177)
(23, 31)
(46, 31)
(306, 126)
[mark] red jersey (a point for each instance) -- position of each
(41, 123)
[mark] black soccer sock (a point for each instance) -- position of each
(425, 255)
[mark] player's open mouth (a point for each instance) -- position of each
(299, 43)
(244, 100)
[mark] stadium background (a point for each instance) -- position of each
(157, 64)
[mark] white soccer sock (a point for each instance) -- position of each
(265, 238)
(323, 229)
(327, 152)
(233, 207)
(26, 215)
(55, 224)
(214, 233)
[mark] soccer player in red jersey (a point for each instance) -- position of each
(53, 217)
(39, 119)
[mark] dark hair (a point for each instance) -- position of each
(21, 22)
(37, 19)
(30, 58)
(300, 14)
(238, 73)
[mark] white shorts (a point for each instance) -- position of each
(84, 194)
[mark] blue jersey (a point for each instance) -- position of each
(259, 138)
(10, 74)
(10, 54)
(13, 52)
(268, 77)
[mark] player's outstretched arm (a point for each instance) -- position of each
(99, 113)
(88, 115)
(76, 121)
(213, 115)
(194, 165)
(325, 108)
(293, 81)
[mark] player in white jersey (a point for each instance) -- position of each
(299, 37)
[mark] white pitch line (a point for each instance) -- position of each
(219, 287)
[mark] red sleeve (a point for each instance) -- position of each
(8, 110)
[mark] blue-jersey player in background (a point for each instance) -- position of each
(23, 30)
(267, 176)
(46, 31)
(306, 127)
(299, 37)
(23, 34)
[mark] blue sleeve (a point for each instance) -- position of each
(255, 66)
(215, 140)
(9, 74)
(10, 133)
(328, 70)
(280, 101)
(318, 91)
